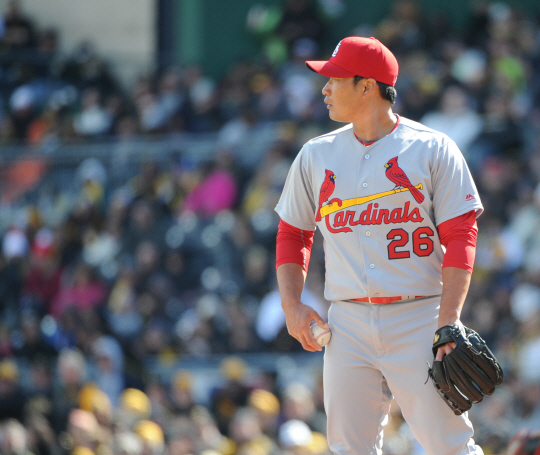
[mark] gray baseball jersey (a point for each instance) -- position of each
(378, 206)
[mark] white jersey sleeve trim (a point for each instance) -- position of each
(292, 222)
(454, 191)
(476, 207)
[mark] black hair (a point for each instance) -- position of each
(387, 91)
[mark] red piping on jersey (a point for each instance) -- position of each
(373, 142)
(459, 235)
(293, 245)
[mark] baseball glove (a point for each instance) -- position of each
(468, 373)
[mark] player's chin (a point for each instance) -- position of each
(335, 116)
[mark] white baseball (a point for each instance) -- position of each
(322, 336)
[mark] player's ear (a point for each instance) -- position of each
(369, 86)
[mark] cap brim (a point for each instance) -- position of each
(328, 69)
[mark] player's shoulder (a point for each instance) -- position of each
(421, 132)
(328, 138)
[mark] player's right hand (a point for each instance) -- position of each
(298, 318)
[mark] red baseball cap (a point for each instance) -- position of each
(358, 56)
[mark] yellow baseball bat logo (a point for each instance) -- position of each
(335, 206)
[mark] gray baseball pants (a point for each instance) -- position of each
(377, 352)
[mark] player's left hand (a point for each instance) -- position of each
(469, 370)
(445, 350)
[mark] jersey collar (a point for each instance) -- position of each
(373, 142)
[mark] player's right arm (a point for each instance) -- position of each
(293, 251)
(291, 278)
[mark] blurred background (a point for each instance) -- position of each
(143, 147)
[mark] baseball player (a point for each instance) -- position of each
(397, 208)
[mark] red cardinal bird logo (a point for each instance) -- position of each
(327, 188)
(396, 175)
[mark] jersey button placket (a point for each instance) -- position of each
(367, 233)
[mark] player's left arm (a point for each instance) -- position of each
(458, 235)
(455, 287)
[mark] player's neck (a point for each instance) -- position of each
(375, 125)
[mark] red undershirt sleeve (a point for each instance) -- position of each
(458, 235)
(293, 245)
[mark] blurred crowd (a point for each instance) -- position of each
(117, 263)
